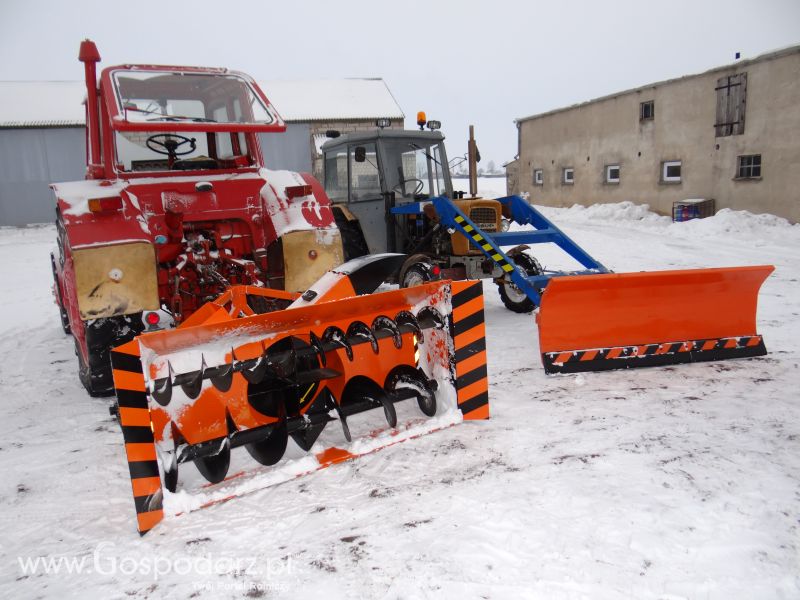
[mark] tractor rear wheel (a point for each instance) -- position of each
(100, 336)
(59, 297)
(514, 298)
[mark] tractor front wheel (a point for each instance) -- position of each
(514, 298)
(417, 270)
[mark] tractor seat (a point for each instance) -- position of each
(198, 163)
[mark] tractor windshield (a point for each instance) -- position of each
(175, 96)
(188, 120)
(416, 167)
(185, 151)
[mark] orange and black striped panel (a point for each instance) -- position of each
(140, 446)
(469, 345)
(652, 355)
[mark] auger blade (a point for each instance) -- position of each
(389, 411)
(343, 422)
(335, 337)
(383, 326)
(191, 383)
(316, 344)
(170, 465)
(358, 330)
(405, 320)
(271, 449)
(363, 394)
(404, 377)
(214, 467)
(162, 388)
(221, 377)
(430, 317)
(254, 370)
(308, 436)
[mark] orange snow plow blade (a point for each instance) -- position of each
(625, 320)
(229, 377)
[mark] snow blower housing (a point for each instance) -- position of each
(228, 377)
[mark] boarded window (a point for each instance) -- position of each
(731, 101)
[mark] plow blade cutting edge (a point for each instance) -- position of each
(624, 320)
(234, 378)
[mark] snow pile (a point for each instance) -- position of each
(739, 223)
(617, 212)
(726, 223)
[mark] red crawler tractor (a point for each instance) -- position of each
(177, 207)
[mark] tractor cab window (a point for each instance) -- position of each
(163, 96)
(336, 175)
(146, 96)
(184, 151)
(365, 180)
(415, 169)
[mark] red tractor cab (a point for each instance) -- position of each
(177, 206)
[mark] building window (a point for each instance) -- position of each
(612, 173)
(538, 177)
(749, 167)
(568, 177)
(671, 171)
(731, 100)
(647, 110)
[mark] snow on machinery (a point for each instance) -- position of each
(177, 207)
(391, 191)
(227, 377)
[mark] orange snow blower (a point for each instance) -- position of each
(230, 377)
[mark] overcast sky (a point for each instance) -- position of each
(463, 62)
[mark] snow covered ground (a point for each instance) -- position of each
(668, 483)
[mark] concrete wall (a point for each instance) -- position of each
(31, 159)
(608, 131)
(512, 177)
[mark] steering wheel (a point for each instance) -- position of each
(168, 144)
(401, 187)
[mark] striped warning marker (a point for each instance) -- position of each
(140, 448)
(651, 355)
(489, 249)
(469, 344)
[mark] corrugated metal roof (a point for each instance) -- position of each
(60, 103)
